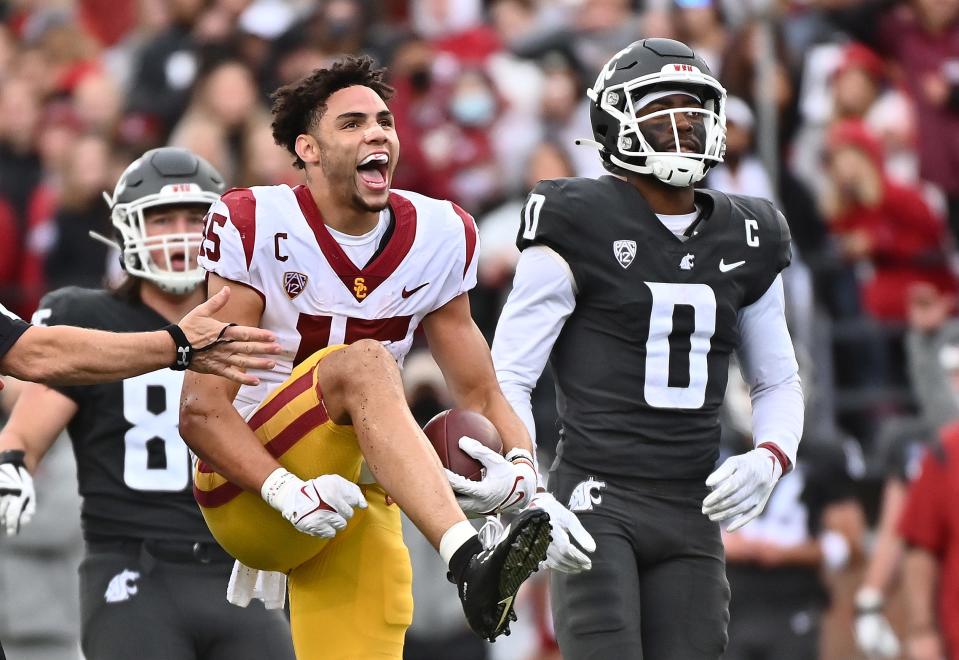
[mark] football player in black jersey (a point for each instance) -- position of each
(637, 287)
(153, 580)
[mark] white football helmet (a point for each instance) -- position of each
(168, 176)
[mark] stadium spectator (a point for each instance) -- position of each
(741, 172)
(930, 528)
(884, 228)
(79, 210)
(223, 114)
(781, 568)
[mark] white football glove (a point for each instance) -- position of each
(18, 501)
(874, 636)
(318, 507)
(509, 483)
(741, 486)
(562, 555)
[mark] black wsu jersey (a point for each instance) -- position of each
(641, 363)
(133, 468)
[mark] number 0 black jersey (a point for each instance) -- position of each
(133, 468)
(641, 363)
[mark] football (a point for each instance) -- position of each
(445, 431)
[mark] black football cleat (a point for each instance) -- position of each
(493, 576)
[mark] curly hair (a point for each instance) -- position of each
(298, 107)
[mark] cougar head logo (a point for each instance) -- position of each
(586, 495)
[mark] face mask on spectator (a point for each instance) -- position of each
(339, 28)
(421, 79)
(473, 108)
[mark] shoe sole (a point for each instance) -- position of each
(527, 551)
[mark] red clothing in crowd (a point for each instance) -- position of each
(930, 521)
(908, 246)
(920, 53)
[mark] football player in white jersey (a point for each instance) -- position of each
(344, 270)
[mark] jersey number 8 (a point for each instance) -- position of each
(155, 456)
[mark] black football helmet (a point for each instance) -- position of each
(649, 66)
(162, 177)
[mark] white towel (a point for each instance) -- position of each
(248, 583)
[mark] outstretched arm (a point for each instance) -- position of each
(66, 355)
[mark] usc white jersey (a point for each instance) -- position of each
(273, 240)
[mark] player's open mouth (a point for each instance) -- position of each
(178, 261)
(373, 170)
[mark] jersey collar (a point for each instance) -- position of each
(361, 282)
(714, 205)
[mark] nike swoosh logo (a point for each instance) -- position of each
(507, 602)
(305, 493)
(725, 268)
(407, 294)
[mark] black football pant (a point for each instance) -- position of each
(774, 633)
(135, 605)
(657, 589)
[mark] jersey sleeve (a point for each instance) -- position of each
(783, 254)
(546, 219)
(458, 272)
(229, 238)
(774, 242)
(471, 249)
(11, 328)
(68, 306)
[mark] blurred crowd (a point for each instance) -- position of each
(845, 113)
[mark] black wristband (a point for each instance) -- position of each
(184, 350)
(15, 456)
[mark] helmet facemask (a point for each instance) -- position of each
(137, 246)
(633, 150)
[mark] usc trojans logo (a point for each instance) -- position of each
(359, 288)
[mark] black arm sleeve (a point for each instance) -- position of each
(11, 328)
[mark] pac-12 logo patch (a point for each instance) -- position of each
(625, 252)
(294, 283)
